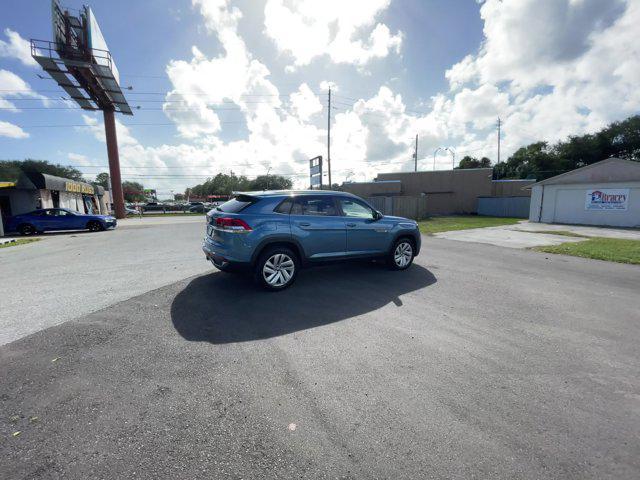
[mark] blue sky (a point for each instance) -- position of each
(443, 69)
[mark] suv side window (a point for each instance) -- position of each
(321, 205)
(284, 207)
(354, 208)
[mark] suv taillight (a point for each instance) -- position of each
(232, 224)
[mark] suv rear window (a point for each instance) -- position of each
(236, 204)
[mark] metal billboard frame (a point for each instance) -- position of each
(88, 75)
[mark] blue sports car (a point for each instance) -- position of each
(58, 219)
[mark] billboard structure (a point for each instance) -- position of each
(315, 172)
(79, 60)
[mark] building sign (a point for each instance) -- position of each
(315, 172)
(607, 199)
(78, 187)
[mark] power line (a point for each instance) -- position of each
(49, 99)
(166, 124)
(170, 92)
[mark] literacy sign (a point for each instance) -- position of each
(607, 199)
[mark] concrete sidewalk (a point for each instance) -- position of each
(588, 231)
(527, 235)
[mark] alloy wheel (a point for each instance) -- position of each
(403, 254)
(278, 269)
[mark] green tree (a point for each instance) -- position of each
(10, 169)
(472, 162)
(221, 184)
(540, 160)
(270, 182)
(102, 179)
(133, 192)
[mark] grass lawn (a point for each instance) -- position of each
(610, 249)
(19, 241)
(462, 222)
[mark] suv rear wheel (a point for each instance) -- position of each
(401, 256)
(277, 268)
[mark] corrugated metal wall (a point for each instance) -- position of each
(517, 207)
(409, 207)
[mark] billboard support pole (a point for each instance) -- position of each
(114, 163)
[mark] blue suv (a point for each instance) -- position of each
(275, 233)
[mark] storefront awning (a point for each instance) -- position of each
(43, 181)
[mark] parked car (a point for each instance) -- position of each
(274, 234)
(154, 207)
(197, 207)
(173, 207)
(194, 207)
(127, 210)
(58, 219)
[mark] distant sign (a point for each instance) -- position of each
(78, 187)
(607, 199)
(315, 171)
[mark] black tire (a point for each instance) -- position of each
(285, 264)
(95, 226)
(402, 254)
(27, 229)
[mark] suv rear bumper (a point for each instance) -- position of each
(220, 258)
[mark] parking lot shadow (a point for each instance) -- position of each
(224, 308)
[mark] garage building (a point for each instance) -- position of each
(604, 193)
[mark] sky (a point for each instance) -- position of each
(241, 85)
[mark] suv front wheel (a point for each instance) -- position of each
(402, 254)
(277, 268)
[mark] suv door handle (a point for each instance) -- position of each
(304, 224)
(351, 225)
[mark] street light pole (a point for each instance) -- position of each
(434, 157)
(453, 157)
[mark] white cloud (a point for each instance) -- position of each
(550, 68)
(12, 131)
(17, 47)
(12, 87)
(305, 103)
(345, 31)
(79, 159)
(537, 91)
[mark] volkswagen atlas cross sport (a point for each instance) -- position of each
(275, 233)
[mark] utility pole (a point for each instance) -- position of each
(329, 140)
(415, 155)
(117, 196)
(499, 125)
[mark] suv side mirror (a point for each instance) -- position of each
(377, 215)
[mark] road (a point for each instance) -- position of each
(70, 274)
(478, 362)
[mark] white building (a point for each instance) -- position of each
(603, 193)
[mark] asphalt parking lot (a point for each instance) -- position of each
(478, 362)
